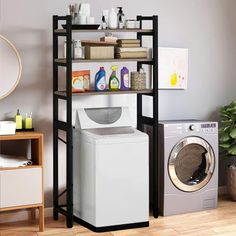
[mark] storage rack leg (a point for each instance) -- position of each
(55, 117)
(141, 120)
(66, 127)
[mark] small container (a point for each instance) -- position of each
(77, 49)
(113, 80)
(120, 23)
(130, 24)
(75, 20)
(137, 24)
(105, 15)
(104, 23)
(100, 52)
(28, 121)
(80, 81)
(120, 18)
(100, 80)
(124, 79)
(90, 20)
(138, 80)
(112, 19)
(72, 49)
(7, 127)
(82, 19)
(18, 120)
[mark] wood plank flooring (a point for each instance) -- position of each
(220, 221)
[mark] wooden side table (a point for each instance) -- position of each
(23, 187)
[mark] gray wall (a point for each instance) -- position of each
(206, 27)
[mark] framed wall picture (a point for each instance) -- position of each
(173, 68)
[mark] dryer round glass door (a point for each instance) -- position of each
(191, 164)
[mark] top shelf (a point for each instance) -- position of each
(106, 30)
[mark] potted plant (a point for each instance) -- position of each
(227, 142)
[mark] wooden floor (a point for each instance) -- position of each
(220, 221)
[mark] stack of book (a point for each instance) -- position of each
(130, 48)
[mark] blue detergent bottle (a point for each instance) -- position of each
(100, 80)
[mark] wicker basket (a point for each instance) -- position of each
(138, 81)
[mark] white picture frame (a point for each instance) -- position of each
(173, 68)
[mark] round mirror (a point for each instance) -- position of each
(10, 67)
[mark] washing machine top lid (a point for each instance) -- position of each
(109, 117)
(113, 135)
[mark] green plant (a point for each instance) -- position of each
(227, 131)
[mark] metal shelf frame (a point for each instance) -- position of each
(67, 208)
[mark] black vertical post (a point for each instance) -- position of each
(69, 158)
(139, 96)
(155, 117)
(55, 118)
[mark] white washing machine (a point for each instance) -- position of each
(188, 166)
(111, 170)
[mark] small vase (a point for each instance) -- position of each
(231, 181)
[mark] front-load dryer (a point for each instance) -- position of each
(188, 166)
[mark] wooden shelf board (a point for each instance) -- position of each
(146, 91)
(21, 136)
(21, 207)
(106, 30)
(63, 60)
(22, 167)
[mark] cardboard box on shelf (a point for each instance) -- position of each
(103, 52)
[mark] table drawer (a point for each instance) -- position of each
(20, 187)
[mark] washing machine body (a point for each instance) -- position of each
(188, 166)
(110, 171)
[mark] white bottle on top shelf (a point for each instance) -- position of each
(112, 19)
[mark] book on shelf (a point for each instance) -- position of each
(129, 45)
(130, 55)
(136, 49)
(128, 41)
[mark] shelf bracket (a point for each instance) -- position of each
(62, 193)
(62, 140)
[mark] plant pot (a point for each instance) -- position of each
(231, 181)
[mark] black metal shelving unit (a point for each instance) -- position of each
(67, 208)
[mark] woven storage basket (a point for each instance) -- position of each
(138, 81)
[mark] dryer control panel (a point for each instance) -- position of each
(201, 127)
(173, 128)
(209, 128)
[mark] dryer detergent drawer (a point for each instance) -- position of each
(20, 187)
